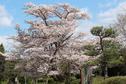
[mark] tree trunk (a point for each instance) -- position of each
(85, 73)
(16, 80)
(34, 81)
(106, 71)
(47, 79)
(103, 61)
(11, 81)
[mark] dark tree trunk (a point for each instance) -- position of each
(103, 59)
(11, 81)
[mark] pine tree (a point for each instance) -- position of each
(107, 47)
(2, 62)
(2, 48)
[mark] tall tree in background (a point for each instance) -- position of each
(2, 62)
(2, 48)
(105, 44)
(120, 27)
(50, 39)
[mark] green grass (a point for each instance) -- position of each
(97, 80)
(3, 82)
(115, 80)
(110, 80)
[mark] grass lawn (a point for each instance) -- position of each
(97, 80)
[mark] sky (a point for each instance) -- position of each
(102, 12)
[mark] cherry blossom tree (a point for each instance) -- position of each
(51, 39)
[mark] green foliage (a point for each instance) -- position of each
(76, 81)
(65, 67)
(102, 32)
(52, 81)
(109, 32)
(111, 80)
(97, 30)
(123, 55)
(115, 80)
(111, 51)
(3, 82)
(95, 62)
(115, 62)
(2, 62)
(2, 48)
(108, 49)
(90, 50)
(22, 80)
(9, 70)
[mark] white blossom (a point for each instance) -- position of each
(50, 38)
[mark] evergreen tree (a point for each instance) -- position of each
(2, 62)
(2, 48)
(106, 46)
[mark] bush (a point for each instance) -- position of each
(77, 81)
(115, 80)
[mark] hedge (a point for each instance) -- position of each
(115, 80)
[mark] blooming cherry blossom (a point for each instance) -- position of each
(51, 37)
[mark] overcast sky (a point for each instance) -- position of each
(102, 12)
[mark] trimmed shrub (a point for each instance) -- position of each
(115, 80)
